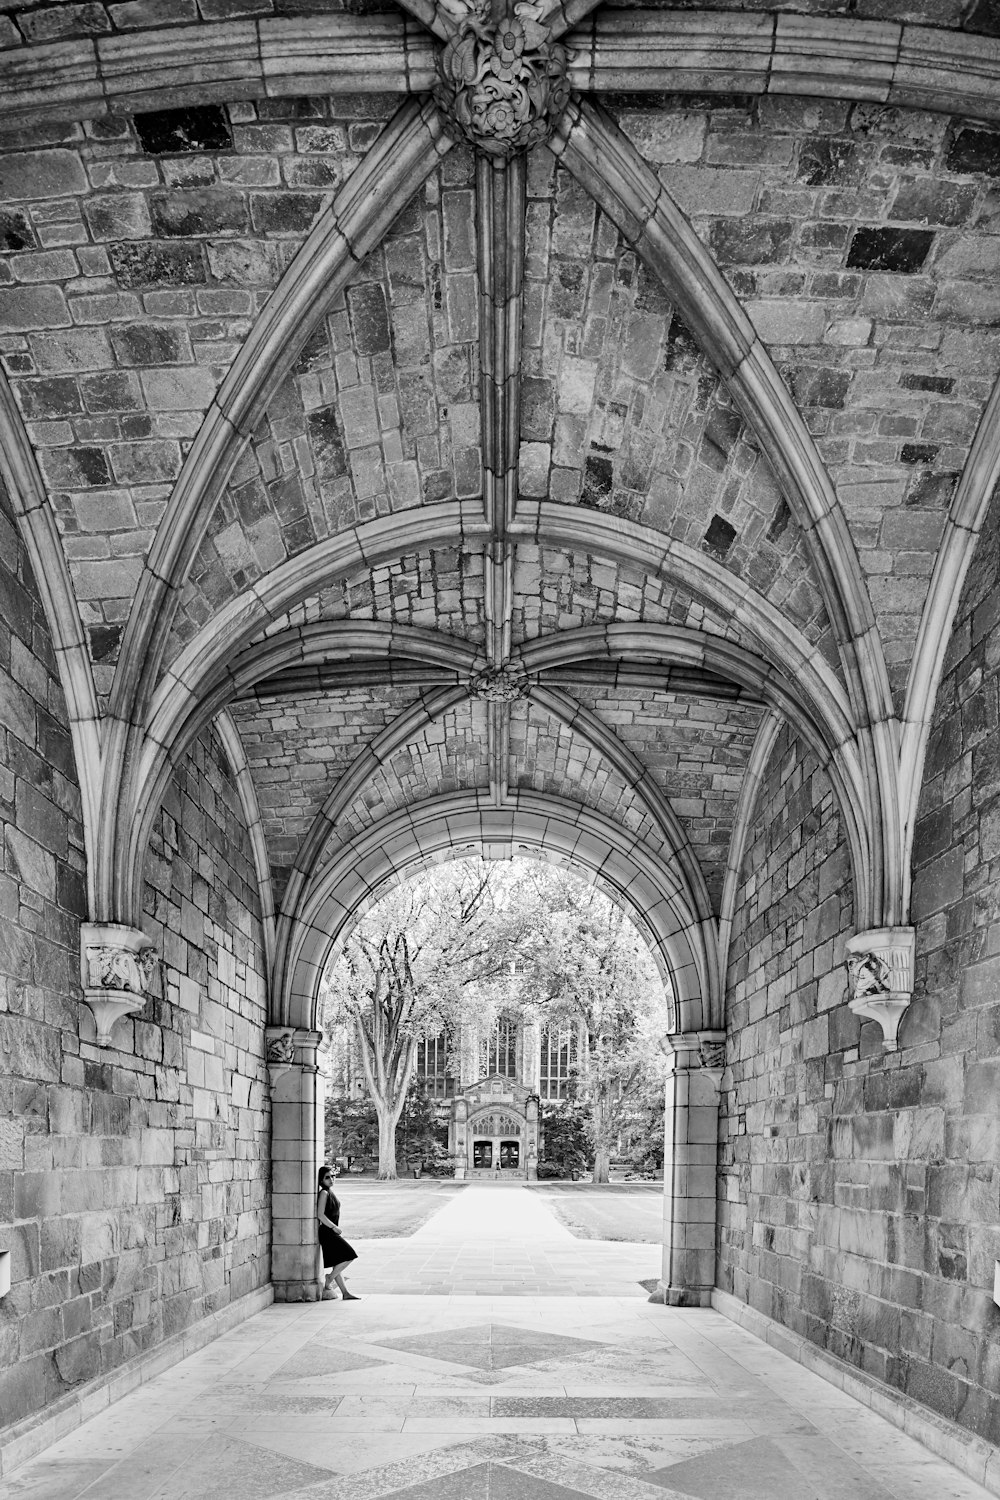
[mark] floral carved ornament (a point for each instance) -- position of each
(501, 83)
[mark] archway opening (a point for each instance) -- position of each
(495, 1020)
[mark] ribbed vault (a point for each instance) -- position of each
(503, 504)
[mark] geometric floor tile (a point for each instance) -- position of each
(226, 1468)
(491, 1346)
(755, 1470)
(322, 1357)
(489, 1481)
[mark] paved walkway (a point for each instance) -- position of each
(487, 1397)
(501, 1240)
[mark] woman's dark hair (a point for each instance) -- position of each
(322, 1173)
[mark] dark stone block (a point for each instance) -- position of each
(284, 213)
(942, 385)
(167, 132)
(719, 537)
(55, 397)
(537, 409)
(929, 201)
(825, 160)
(369, 317)
(208, 211)
(651, 294)
(55, 744)
(598, 479)
(886, 249)
(75, 468)
(104, 642)
(820, 386)
(932, 835)
(975, 151)
(145, 344)
(750, 242)
(984, 18)
(16, 232)
(918, 453)
(682, 351)
(71, 891)
(779, 522)
(327, 444)
(566, 289)
(141, 263)
(111, 392)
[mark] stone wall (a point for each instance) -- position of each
(133, 1179)
(859, 1188)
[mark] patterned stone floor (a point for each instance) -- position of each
(487, 1397)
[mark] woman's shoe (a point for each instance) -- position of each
(350, 1297)
(328, 1295)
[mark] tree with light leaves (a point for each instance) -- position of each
(406, 971)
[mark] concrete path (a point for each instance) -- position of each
(499, 1240)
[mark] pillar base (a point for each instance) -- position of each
(296, 1291)
(682, 1296)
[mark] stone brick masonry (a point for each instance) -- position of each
(133, 1184)
(859, 1189)
(862, 243)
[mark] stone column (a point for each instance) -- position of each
(531, 1139)
(880, 977)
(531, 1043)
(117, 965)
(295, 1103)
(689, 1168)
(461, 1138)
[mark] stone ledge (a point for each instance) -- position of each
(24, 1440)
(974, 1456)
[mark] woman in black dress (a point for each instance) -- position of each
(337, 1253)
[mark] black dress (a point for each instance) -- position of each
(336, 1250)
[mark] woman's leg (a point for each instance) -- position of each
(338, 1276)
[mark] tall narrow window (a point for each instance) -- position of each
(558, 1061)
(431, 1066)
(503, 1048)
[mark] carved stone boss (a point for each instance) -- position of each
(117, 965)
(498, 685)
(502, 82)
(880, 977)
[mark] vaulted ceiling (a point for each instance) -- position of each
(500, 501)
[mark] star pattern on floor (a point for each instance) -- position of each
(491, 1346)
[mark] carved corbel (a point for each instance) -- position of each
(712, 1055)
(880, 977)
(279, 1045)
(117, 964)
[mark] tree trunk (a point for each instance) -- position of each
(387, 1122)
(602, 1163)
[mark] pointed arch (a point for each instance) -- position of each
(788, 673)
(366, 865)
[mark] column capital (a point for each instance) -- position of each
(880, 977)
(117, 965)
(689, 1050)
